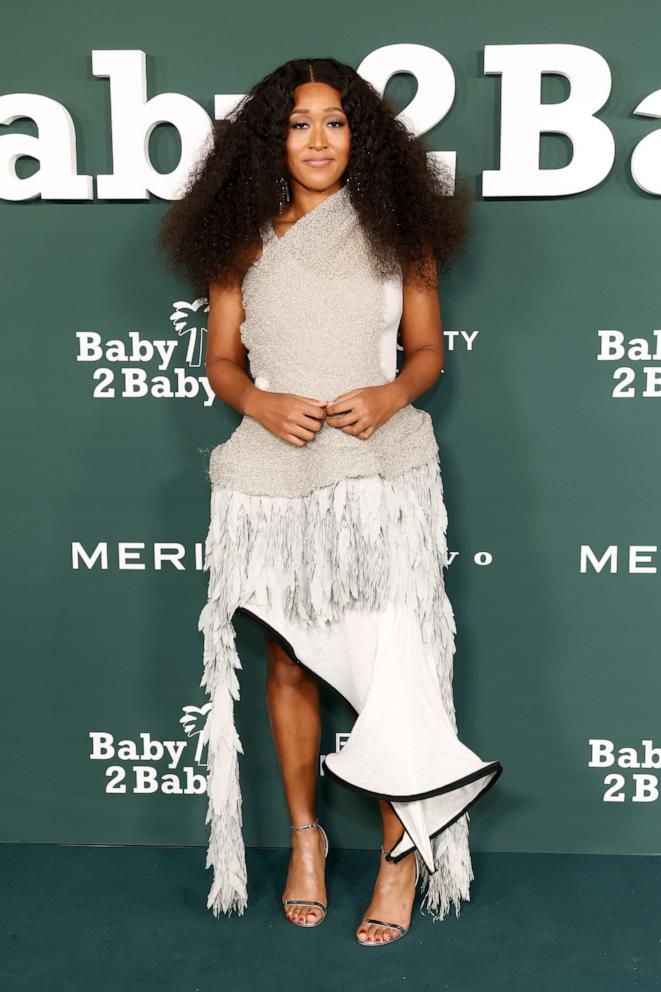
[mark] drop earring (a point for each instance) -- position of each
(284, 194)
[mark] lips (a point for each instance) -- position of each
(318, 161)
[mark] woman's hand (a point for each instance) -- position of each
(295, 419)
(362, 411)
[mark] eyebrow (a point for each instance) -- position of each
(325, 110)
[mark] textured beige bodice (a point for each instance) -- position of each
(317, 323)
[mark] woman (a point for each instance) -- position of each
(314, 220)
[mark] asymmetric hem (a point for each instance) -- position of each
(349, 580)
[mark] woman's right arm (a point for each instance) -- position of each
(227, 358)
(295, 419)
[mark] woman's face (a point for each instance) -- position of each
(318, 138)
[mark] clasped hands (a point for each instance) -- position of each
(362, 411)
(297, 419)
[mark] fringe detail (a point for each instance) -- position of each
(450, 883)
(355, 542)
(226, 851)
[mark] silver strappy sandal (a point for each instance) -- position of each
(382, 923)
(308, 902)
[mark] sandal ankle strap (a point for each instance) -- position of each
(306, 826)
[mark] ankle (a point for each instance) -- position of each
(307, 842)
(303, 824)
(396, 870)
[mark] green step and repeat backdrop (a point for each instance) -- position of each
(547, 414)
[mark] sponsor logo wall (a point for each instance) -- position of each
(550, 321)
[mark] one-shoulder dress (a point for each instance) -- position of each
(337, 550)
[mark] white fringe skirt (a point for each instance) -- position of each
(349, 580)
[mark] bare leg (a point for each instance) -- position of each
(292, 697)
(394, 889)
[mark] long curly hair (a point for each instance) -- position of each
(406, 202)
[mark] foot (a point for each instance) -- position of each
(305, 877)
(392, 900)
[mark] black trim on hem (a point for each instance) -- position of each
(492, 781)
(494, 766)
(286, 646)
(457, 784)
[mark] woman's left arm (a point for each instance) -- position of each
(362, 411)
(422, 338)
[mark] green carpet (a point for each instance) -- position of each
(86, 919)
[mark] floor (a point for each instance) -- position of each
(135, 918)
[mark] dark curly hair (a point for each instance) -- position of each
(405, 200)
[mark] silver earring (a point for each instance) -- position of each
(284, 194)
(353, 184)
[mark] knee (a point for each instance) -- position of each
(283, 670)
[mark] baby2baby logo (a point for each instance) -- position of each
(637, 781)
(173, 767)
(148, 765)
(135, 366)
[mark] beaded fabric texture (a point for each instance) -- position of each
(313, 304)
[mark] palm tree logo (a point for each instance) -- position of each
(189, 318)
(193, 723)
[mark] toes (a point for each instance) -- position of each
(367, 933)
(303, 914)
(372, 934)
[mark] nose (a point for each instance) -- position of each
(318, 137)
